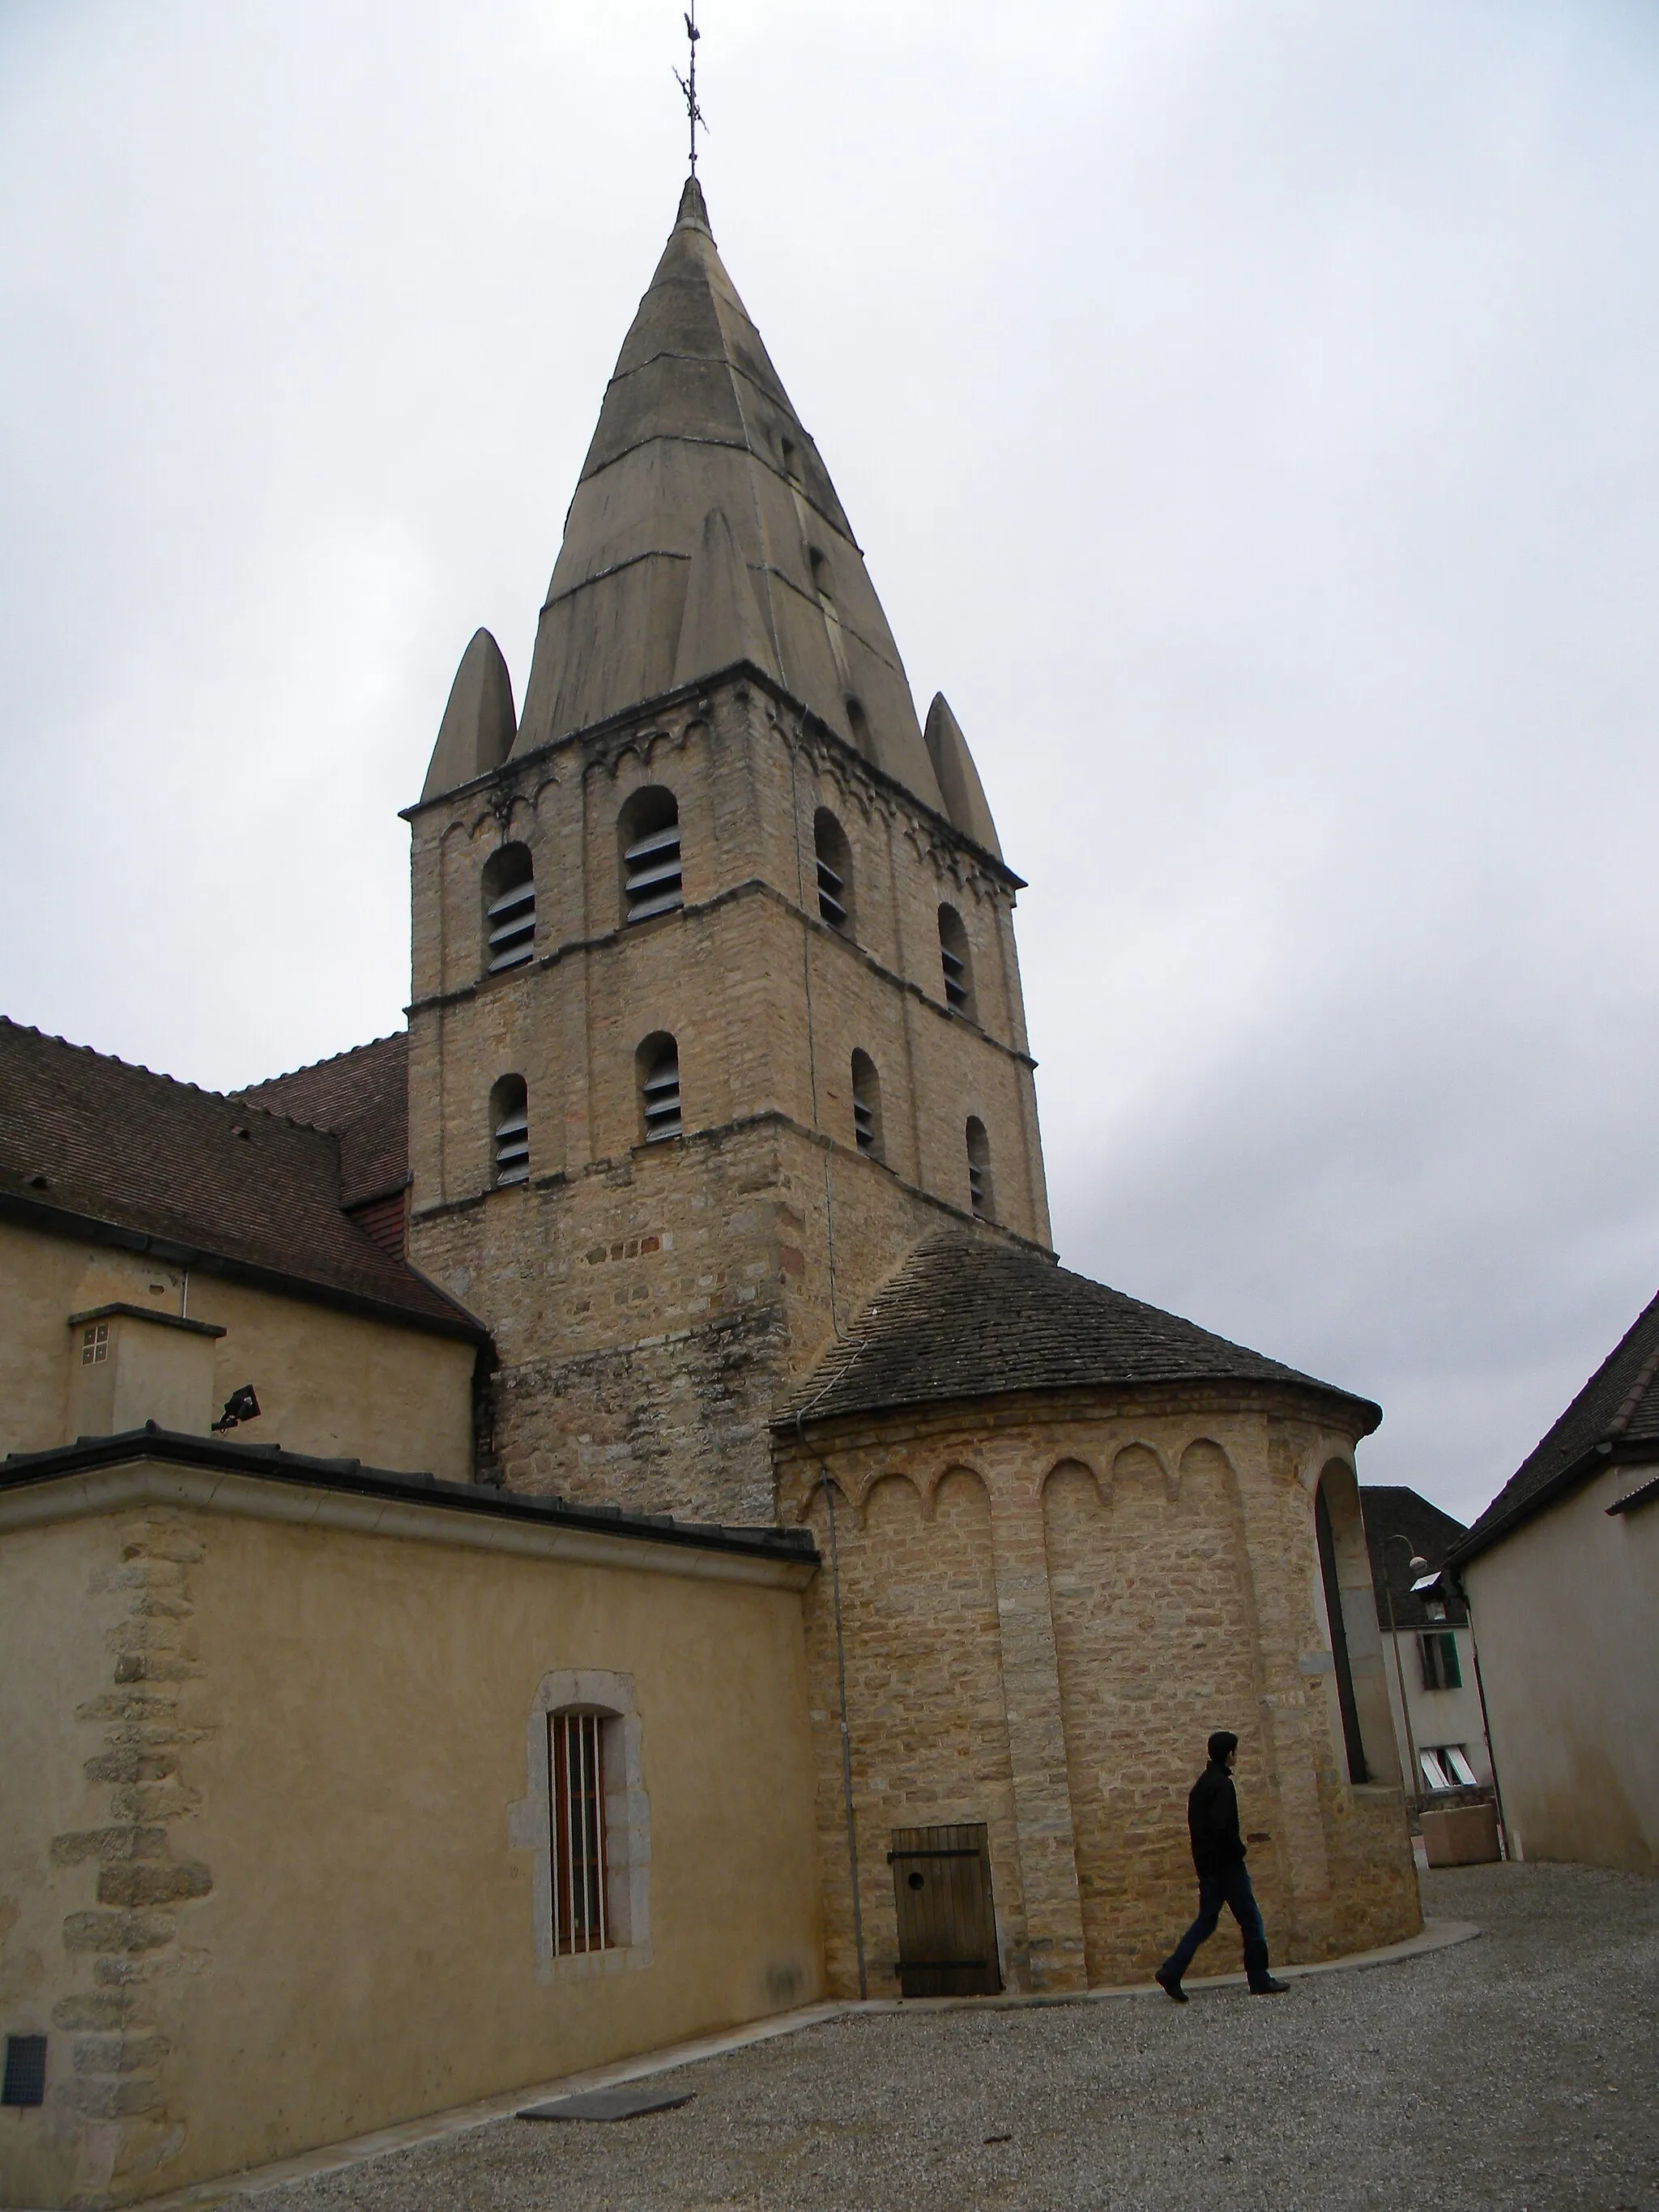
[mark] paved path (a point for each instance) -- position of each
(1518, 2071)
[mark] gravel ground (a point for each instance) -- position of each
(1518, 2070)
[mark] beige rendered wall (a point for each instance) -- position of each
(1046, 1608)
(267, 1890)
(336, 1384)
(1566, 1618)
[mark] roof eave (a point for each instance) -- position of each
(804, 1422)
(62, 1221)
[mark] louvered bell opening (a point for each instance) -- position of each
(653, 880)
(864, 1125)
(976, 1189)
(956, 991)
(512, 919)
(662, 1104)
(830, 887)
(512, 1148)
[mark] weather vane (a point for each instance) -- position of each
(688, 85)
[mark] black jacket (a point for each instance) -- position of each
(1213, 1822)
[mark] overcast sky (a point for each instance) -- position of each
(1248, 410)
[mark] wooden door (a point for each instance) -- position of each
(947, 1929)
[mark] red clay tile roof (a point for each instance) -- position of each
(1614, 1416)
(965, 1317)
(86, 1140)
(363, 1097)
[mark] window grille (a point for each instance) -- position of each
(866, 1105)
(956, 961)
(94, 1345)
(509, 889)
(979, 1168)
(834, 866)
(649, 828)
(1438, 1653)
(575, 1761)
(660, 1091)
(509, 1122)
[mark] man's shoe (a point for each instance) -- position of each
(1270, 1987)
(1171, 1985)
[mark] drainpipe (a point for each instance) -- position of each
(1458, 1584)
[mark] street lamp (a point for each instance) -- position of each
(1418, 1566)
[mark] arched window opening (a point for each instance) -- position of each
(575, 1768)
(509, 1131)
(649, 832)
(835, 865)
(866, 1105)
(981, 1196)
(658, 1063)
(791, 461)
(958, 963)
(1352, 1743)
(858, 722)
(509, 909)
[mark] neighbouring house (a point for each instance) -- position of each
(1437, 1725)
(601, 1516)
(1561, 1577)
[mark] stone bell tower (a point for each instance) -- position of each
(715, 1006)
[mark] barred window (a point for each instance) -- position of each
(648, 827)
(509, 909)
(834, 857)
(657, 1063)
(979, 1192)
(509, 1131)
(575, 1759)
(958, 963)
(866, 1105)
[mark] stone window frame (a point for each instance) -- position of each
(627, 1817)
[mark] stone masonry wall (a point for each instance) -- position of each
(128, 1879)
(651, 1305)
(1156, 1577)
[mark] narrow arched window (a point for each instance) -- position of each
(648, 839)
(957, 961)
(835, 865)
(509, 1131)
(657, 1066)
(509, 909)
(866, 1105)
(980, 1192)
(858, 722)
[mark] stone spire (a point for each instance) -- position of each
(705, 525)
(475, 734)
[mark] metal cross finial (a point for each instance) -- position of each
(688, 85)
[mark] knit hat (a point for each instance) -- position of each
(1221, 1743)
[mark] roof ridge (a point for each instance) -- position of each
(309, 1067)
(114, 1059)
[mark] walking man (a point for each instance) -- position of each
(1218, 1856)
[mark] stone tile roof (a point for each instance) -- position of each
(89, 1144)
(1390, 1510)
(967, 1317)
(1615, 1415)
(363, 1095)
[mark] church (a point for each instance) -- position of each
(600, 1517)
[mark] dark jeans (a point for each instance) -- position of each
(1231, 1888)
